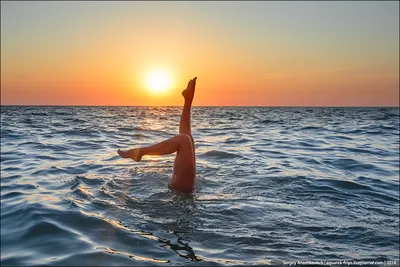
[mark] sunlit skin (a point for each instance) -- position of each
(184, 171)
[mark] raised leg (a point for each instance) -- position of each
(184, 124)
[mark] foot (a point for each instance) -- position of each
(134, 154)
(188, 93)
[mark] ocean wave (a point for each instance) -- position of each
(218, 154)
(343, 184)
(269, 121)
(237, 140)
(272, 184)
(39, 114)
(350, 164)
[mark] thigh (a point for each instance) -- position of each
(194, 151)
(184, 165)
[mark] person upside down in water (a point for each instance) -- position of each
(184, 172)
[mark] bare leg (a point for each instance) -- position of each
(171, 145)
(184, 124)
(184, 172)
(168, 146)
(185, 163)
(131, 153)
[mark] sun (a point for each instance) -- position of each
(158, 81)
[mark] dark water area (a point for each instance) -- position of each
(273, 184)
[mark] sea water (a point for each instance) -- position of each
(273, 185)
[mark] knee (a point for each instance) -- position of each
(185, 139)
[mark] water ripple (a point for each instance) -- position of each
(273, 184)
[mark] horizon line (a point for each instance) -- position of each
(305, 106)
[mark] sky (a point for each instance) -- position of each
(253, 53)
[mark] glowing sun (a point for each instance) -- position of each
(158, 81)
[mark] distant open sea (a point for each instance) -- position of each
(273, 185)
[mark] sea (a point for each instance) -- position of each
(274, 186)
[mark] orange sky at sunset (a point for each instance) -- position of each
(245, 54)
